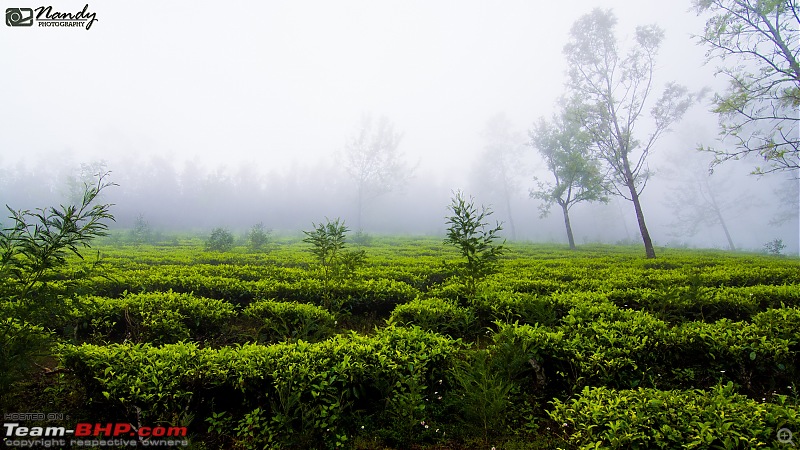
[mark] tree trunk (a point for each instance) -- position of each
(727, 234)
(570, 238)
(359, 206)
(649, 251)
(718, 213)
(510, 218)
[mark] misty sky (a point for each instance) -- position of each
(275, 81)
(281, 83)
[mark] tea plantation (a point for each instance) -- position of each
(593, 348)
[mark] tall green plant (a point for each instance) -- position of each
(328, 245)
(39, 241)
(482, 394)
(468, 232)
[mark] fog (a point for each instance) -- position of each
(232, 114)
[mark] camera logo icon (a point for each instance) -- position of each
(19, 17)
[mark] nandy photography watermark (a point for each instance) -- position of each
(47, 16)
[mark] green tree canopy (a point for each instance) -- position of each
(566, 149)
(757, 43)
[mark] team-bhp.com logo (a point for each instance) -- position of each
(93, 435)
(47, 17)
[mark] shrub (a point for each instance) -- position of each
(221, 240)
(141, 232)
(159, 317)
(613, 347)
(533, 356)
(375, 296)
(480, 395)
(21, 344)
(158, 384)
(511, 307)
(649, 418)
(440, 316)
(258, 237)
(783, 323)
(290, 321)
(743, 352)
(362, 238)
(32, 250)
(595, 344)
(774, 247)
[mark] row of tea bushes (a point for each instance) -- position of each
(392, 384)
(607, 272)
(169, 317)
(545, 300)
(289, 321)
(693, 302)
(157, 318)
(649, 418)
(292, 395)
(593, 343)
(602, 345)
(291, 274)
(358, 296)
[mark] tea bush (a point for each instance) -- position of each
(303, 393)
(743, 352)
(513, 307)
(159, 318)
(437, 315)
(21, 345)
(289, 321)
(648, 418)
(613, 347)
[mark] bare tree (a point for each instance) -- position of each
(614, 90)
(373, 161)
(789, 198)
(566, 149)
(499, 166)
(702, 198)
(758, 111)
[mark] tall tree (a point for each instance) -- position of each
(373, 161)
(758, 39)
(499, 166)
(614, 89)
(566, 149)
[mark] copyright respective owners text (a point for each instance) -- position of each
(49, 16)
(53, 430)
